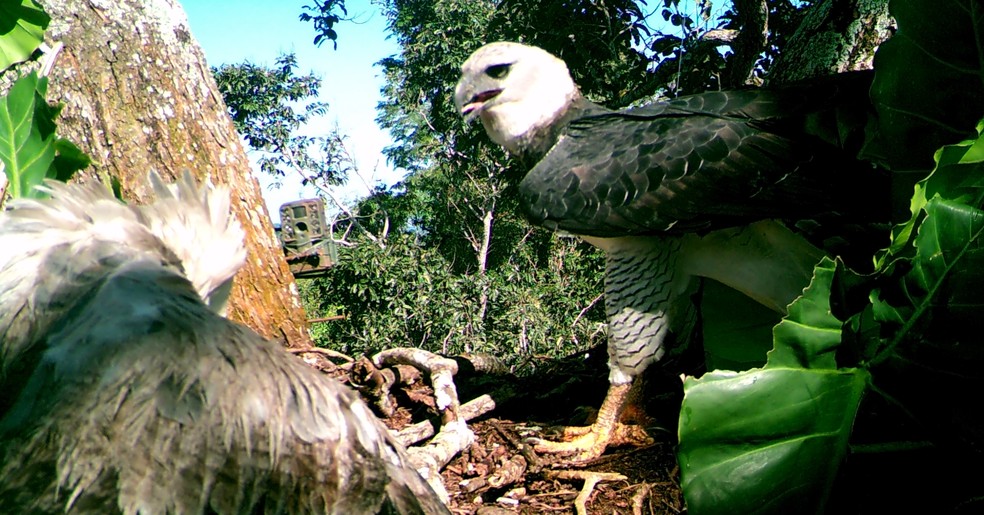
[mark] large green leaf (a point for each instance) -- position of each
(929, 81)
(767, 440)
(27, 143)
(949, 234)
(22, 24)
(771, 440)
(809, 335)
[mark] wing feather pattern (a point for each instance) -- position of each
(700, 163)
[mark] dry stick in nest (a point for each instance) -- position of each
(508, 472)
(590, 479)
(324, 352)
(422, 430)
(640, 497)
(376, 384)
(454, 435)
(535, 465)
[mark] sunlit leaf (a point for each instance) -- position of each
(22, 24)
(957, 175)
(25, 152)
(771, 440)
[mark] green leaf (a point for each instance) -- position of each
(949, 230)
(22, 24)
(968, 152)
(885, 312)
(26, 154)
(945, 224)
(771, 440)
(809, 335)
(949, 233)
(958, 175)
(767, 440)
(69, 159)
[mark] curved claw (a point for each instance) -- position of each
(589, 442)
(586, 443)
(582, 448)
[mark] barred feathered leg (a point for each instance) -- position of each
(648, 305)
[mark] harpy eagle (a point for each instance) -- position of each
(672, 191)
(125, 391)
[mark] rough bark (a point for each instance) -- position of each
(836, 36)
(753, 16)
(139, 96)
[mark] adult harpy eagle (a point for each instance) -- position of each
(125, 391)
(673, 191)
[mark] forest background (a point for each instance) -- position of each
(441, 259)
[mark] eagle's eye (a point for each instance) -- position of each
(498, 71)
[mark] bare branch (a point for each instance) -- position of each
(422, 430)
(722, 36)
(640, 497)
(590, 479)
(324, 352)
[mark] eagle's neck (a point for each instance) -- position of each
(535, 144)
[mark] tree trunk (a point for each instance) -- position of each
(139, 96)
(836, 36)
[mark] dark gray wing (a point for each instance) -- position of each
(696, 163)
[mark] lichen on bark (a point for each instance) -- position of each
(835, 37)
(139, 96)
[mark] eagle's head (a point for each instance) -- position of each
(515, 89)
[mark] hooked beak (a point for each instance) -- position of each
(474, 106)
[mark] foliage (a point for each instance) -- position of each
(30, 151)
(264, 104)
(770, 440)
(22, 24)
(324, 15)
(687, 62)
(686, 59)
(408, 294)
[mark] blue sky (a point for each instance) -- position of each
(233, 31)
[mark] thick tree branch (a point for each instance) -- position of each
(748, 44)
(835, 36)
